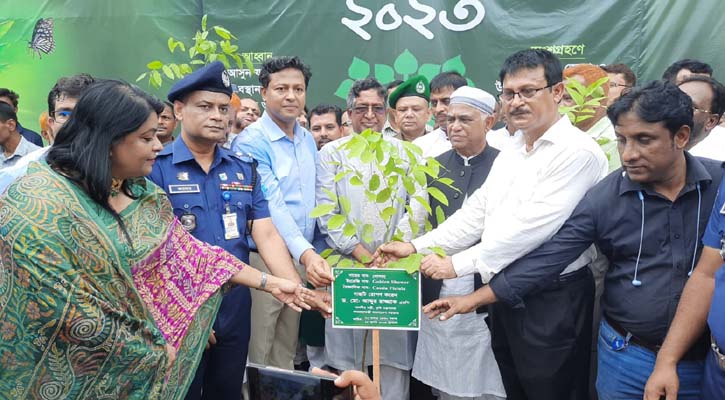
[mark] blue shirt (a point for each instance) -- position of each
(287, 171)
(610, 215)
(194, 192)
(30, 136)
(197, 194)
(713, 235)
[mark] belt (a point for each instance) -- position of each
(693, 354)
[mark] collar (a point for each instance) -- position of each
(275, 133)
(473, 160)
(696, 172)
(20, 150)
(599, 129)
(181, 153)
(557, 132)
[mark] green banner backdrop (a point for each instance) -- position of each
(346, 40)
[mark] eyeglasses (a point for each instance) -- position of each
(701, 110)
(616, 85)
(62, 116)
(362, 110)
(508, 95)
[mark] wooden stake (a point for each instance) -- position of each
(376, 358)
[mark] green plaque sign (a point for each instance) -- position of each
(375, 299)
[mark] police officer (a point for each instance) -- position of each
(216, 196)
(703, 302)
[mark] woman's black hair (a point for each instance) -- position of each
(105, 114)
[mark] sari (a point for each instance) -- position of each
(85, 315)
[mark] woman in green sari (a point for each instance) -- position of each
(102, 292)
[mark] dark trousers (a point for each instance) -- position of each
(221, 370)
(544, 349)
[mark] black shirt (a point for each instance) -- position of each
(610, 215)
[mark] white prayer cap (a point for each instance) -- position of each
(474, 97)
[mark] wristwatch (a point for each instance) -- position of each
(263, 283)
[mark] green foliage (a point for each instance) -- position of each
(404, 66)
(203, 50)
(392, 169)
(586, 99)
(4, 29)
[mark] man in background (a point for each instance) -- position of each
(621, 78)
(11, 98)
(326, 124)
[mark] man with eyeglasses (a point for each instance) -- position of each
(708, 100)
(621, 78)
(62, 99)
(543, 352)
(344, 347)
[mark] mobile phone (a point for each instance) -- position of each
(269, 383)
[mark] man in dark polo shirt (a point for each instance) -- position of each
(648, 220)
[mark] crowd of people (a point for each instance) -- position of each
(582, 257)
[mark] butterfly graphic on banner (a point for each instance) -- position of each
(42, 40)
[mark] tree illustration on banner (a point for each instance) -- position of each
(404, 66)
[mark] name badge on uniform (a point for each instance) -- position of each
(177, 189)
(231, 230)
(229, 218)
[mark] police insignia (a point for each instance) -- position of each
(240, 176)
(225, 78)
(182, 176)
(223, 176)
(188, 222)
(420, 88)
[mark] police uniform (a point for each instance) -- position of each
(215, 207)
(713, 380)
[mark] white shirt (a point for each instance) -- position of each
(526, 198)
(713, 146)
(501, 138)
(11, 174)
(434, 143)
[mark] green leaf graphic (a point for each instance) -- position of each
(344, 88)
(359, 69)
(406, 64)
(429, 70)
(454, 64)
(384, 73)
(5, 27)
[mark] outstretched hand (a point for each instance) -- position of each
(364, 388)
(449, 306)
(318, 271)
(292, 294)
(437, 267)
(321, 301)
(392, 251)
